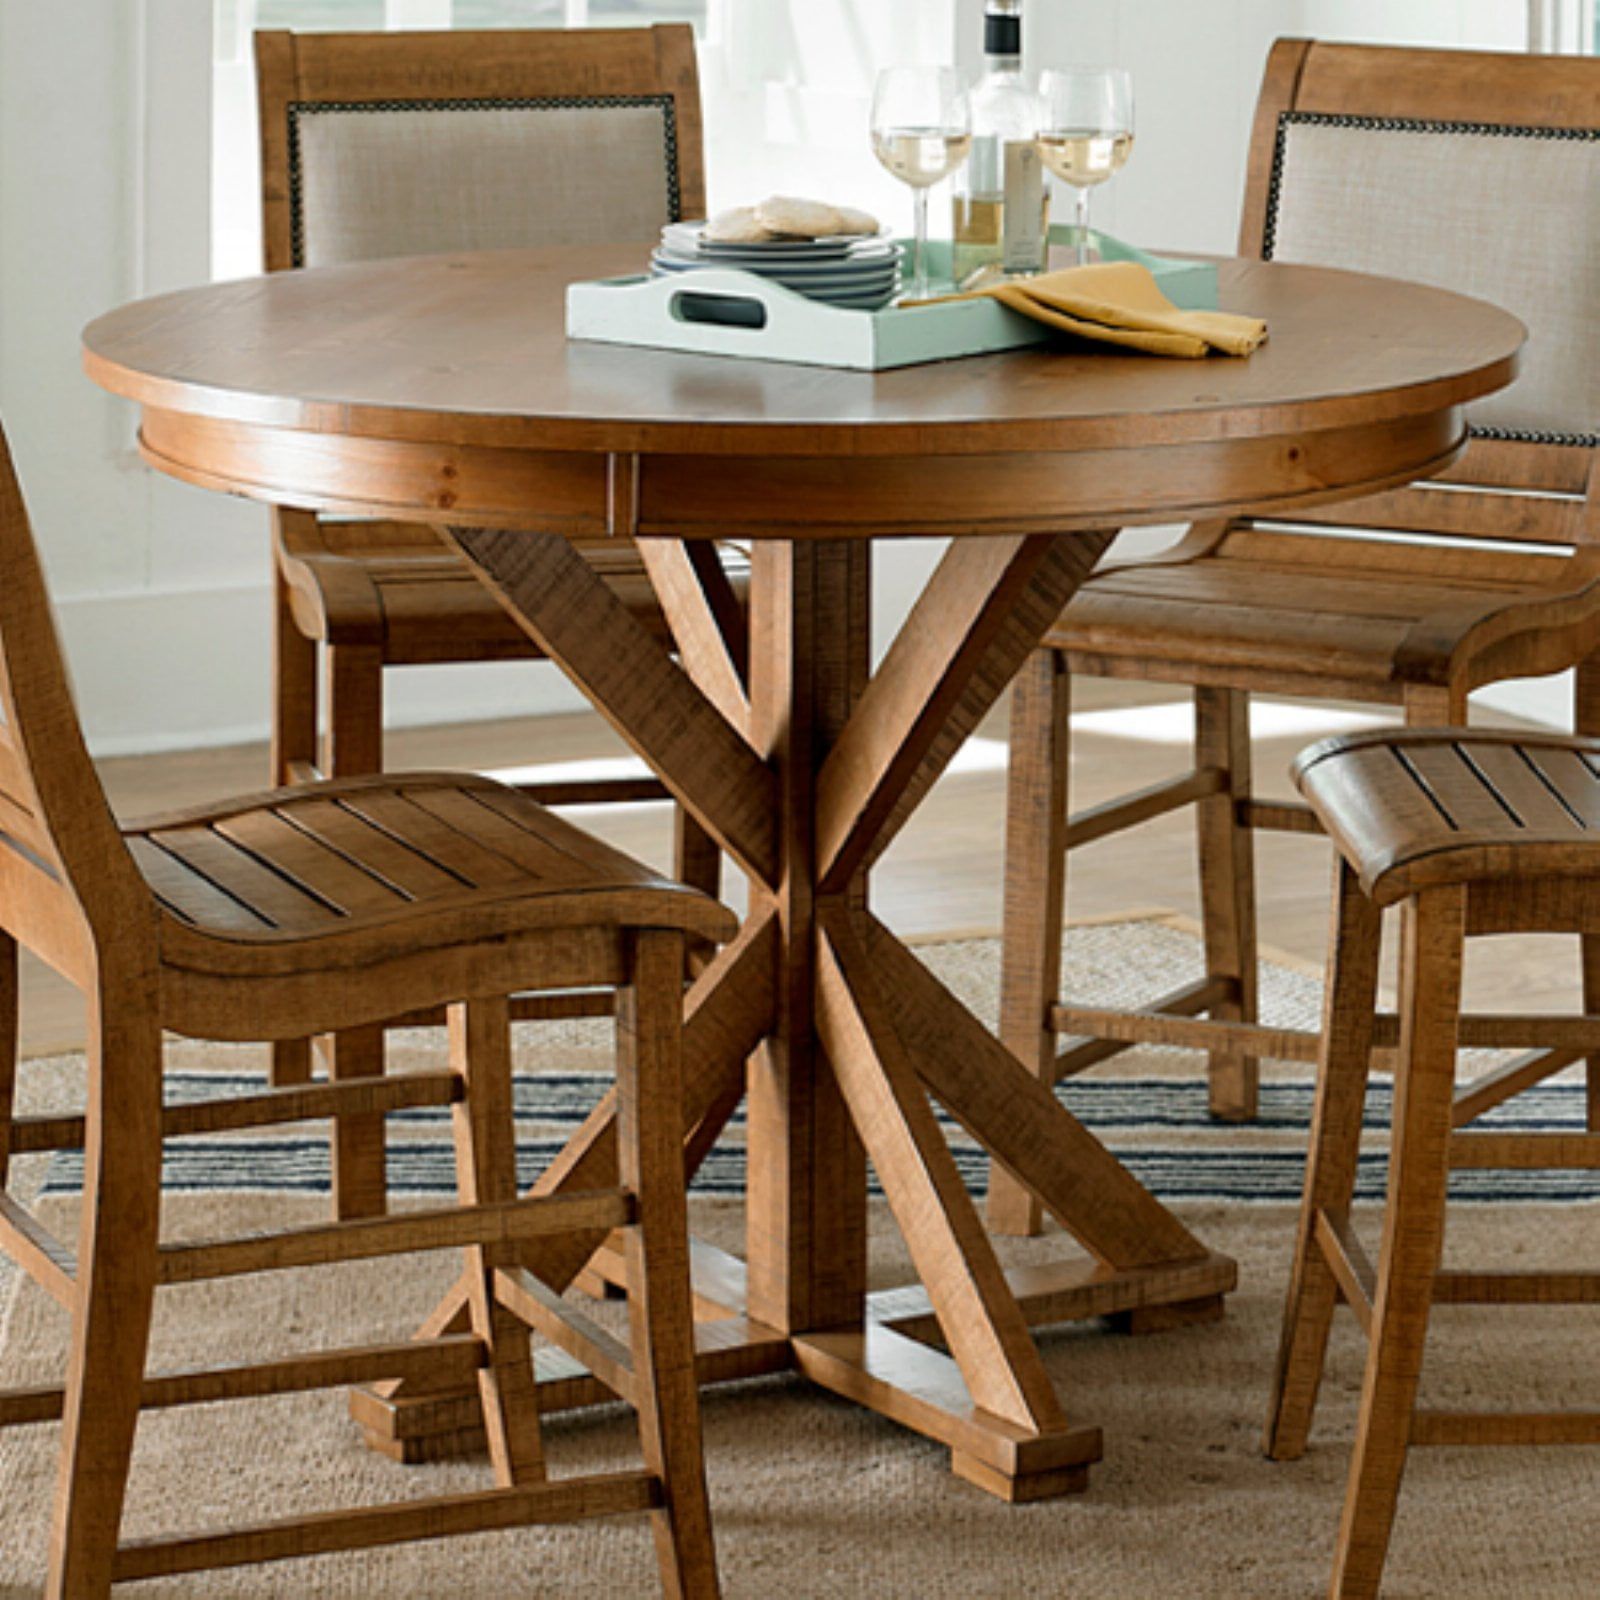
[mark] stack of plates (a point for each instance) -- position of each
(856, 274)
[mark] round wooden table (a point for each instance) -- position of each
(443, 389)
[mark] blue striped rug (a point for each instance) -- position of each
(1149, 1106)
(1158, 1126)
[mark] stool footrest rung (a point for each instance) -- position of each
(1495, 1087)
(543, 1005)
(1505, 1427)
(1183, 1002)
(510, 1223)
(1279, 816)
(614, 1494)
(1350, 1265)
(568, 1329)
(1116, 816)
(1492, 1288)
(299, 1102)
(1526, 1152)
(1170, 1021)
(454, 1360)
(37, 1251)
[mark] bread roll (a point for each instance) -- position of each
(812, 219)
(738, 226)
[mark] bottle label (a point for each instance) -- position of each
(1022, 249)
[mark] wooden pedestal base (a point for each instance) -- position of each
(894, 1365)
(803, 765)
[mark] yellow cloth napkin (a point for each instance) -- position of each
(1117, 302)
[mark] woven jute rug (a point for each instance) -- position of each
(817, 1498)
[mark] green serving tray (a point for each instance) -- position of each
(721, 311)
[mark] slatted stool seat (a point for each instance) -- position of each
(1473, 833)
(315, 909)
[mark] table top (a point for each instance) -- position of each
(472, 350)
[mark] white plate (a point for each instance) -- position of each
(883, 261)
(864, 276)
(686, 237)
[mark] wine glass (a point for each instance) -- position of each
(921, 131)
(1087, 132)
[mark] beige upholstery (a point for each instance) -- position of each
(1513, 218)
(383, 181)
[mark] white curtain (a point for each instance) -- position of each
(788, 86)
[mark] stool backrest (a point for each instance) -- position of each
(1471, 171)
(387, 144)
(58, 837)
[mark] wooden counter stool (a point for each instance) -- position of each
(393, 144)
(1378, 160)
(330, 906)
(1472, 834)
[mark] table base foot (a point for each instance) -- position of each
(1020, 1490)
(1164, 1318)
(894, 1365)
(921, 1388)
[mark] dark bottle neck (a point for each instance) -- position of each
(1002, 41)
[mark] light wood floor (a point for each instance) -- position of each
(944, 873)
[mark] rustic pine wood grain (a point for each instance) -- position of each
(307, 937)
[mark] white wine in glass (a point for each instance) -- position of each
(1087, 133)
(921, 157)
(1084, 157)
(921, 132)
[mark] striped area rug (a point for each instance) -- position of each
(1149, 1106)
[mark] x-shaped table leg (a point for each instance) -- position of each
(804, 767)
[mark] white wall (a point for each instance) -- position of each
(161, 589)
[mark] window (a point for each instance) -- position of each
(235, 190)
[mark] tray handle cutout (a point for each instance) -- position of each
(719, 310)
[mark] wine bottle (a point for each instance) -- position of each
(1000, 219)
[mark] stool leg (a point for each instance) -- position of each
(10, 994)
(1348, 1007)
(1413, 1235)
(697, 862)
(486, 1174)
(294, 689)
(294, 743)
(1228, 888)
(353, 746)
(650, 1159)
(1035, 896)
(1586, 720)
(117, 1243)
